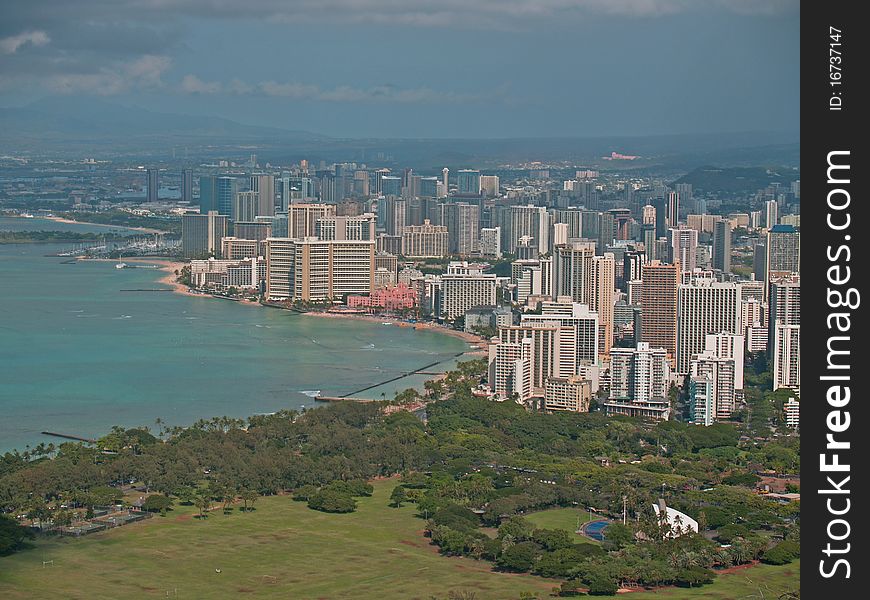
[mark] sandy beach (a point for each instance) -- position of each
(470, 338)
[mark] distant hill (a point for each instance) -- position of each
(86, 121)
(738, 180)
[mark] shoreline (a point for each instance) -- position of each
(74, 222)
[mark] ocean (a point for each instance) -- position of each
(78, 355)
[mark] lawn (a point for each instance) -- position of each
(285, 550)
(560, 518)
(281, 550)
(760, 582)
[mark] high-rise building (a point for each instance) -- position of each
(532, 222)
(463, 222)
(639, 382)
(312, 270)
(673, 210)
(490, 241)
(771, 217)
(571, 314)
(302, 218)
(187, 185)
(489, 185)
(658, 301)
(217, 193)
(425, 241)
(468, 181)
(296, 189)
(153, 184)
(784, 305)
(464, 287)
(264, 186)
(245, 206)
(683, 248)
(391, 185)
(510, 369)
(720, 372)
(787, 356)
(201, 234)
(704, 306)
(253, 230)
(233, 248)
(783, 250)
(393, 211)
(553, 353)
(357, 228)
(730, 346)
(572, 270)
(722, 245)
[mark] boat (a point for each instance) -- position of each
(121, 265)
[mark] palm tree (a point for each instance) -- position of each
(203, 503)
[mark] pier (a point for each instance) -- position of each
(67, 436)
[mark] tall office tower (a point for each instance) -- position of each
(489, 185)
(783, 250)
(602, 298)
(296, 189)
(648, 233)
(425, 241)
(302, 218)
(658, 302)
(245, 206)
(573, 218)
(463, 222)
(359, 228)
(394, 210)
(787, 356)
(468, 181)
(704, 306)
(187, 185)
(207, 193)
(784, 305)
(312, 270)
(572, 269)
(702, 409)
(201, 234)
(464, 287)
(529, 221)
(152, 182)
(606, 230)
(684, 190)
(683, 248)
(554, 351)
(622, 223)
(490, 241)
(360, 183)
(771, 210)
(391, 185)
(571, 314)
(648, 216)
(264, 185)
(559, 236)
(639, 382)
(722, 245)
(253, 230)
(217, 193)
(661, 208)
(445, 177)
(759, 259)
(632, 266)
(673, 210)
(429, 187)
(719, 401)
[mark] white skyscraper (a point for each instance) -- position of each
(704, 306)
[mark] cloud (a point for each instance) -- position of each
(145, 72)
(11, 44)
(191, 84)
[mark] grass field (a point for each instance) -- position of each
(760, 582)
(285, 550)
(560, 518)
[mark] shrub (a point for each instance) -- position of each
(332, 501)
(156, 503)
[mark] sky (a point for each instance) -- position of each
(419, 68)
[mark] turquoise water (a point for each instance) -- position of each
(77, 355)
